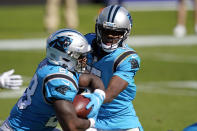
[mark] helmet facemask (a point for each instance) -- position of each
(111, 39)
(113, 20)
(79, 60)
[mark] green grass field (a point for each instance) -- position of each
(27, 21)
(167, 92)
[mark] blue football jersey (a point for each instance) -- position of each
(34, 110)
(123, 62)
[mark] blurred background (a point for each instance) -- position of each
(167, 81)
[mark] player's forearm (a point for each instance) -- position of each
(96, 83)
(110, 95)
(91, 81)
(80, 124)
(75, 125)
(67, 117)
(115, 87)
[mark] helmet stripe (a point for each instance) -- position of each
(115, 12)
(60, 76)
(110, 13)
(71, 30)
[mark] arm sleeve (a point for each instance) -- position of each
(128, 68)
(59, 88)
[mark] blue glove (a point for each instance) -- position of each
(97, 99)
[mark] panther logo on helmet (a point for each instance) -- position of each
(61, 43)
(68, 48)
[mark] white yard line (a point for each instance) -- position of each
(1, 122)
(164, 40)
(147, 87)
(175, 58)
(155, 5)
(12, 93)
(184, 88)
(22, 44)
(172, 84)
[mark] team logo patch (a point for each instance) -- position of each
(62, 89)
(134, 63)
(61, 43)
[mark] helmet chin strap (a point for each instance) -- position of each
(111, 48)
(108, 49)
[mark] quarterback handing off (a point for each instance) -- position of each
(53, 87)
(116, 64)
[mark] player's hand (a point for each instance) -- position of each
(97, 99)
(10, 81)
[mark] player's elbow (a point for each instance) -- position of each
(71, 126)
(77, 125)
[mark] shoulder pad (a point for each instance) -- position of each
(121, 58)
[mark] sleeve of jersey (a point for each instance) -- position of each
(59, 89)
(128, 67)
(90, 37)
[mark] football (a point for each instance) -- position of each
(80, 102)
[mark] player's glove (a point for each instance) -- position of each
(97, 99)
(10, 81)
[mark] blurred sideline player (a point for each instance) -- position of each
(53, 87)
(180, 29)
(116, 64)
(113, 2)
(10, 81)
(52, 14)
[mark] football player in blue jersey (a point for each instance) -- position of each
(48, 99)
(116, 64)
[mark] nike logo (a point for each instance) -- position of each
(66, 83)
(133, 56)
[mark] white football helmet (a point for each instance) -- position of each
(113, 20)
(68, 48)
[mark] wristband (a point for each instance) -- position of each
(92, 122)
(100, 92)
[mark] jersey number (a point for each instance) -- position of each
(25, 100)
(52, 122)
